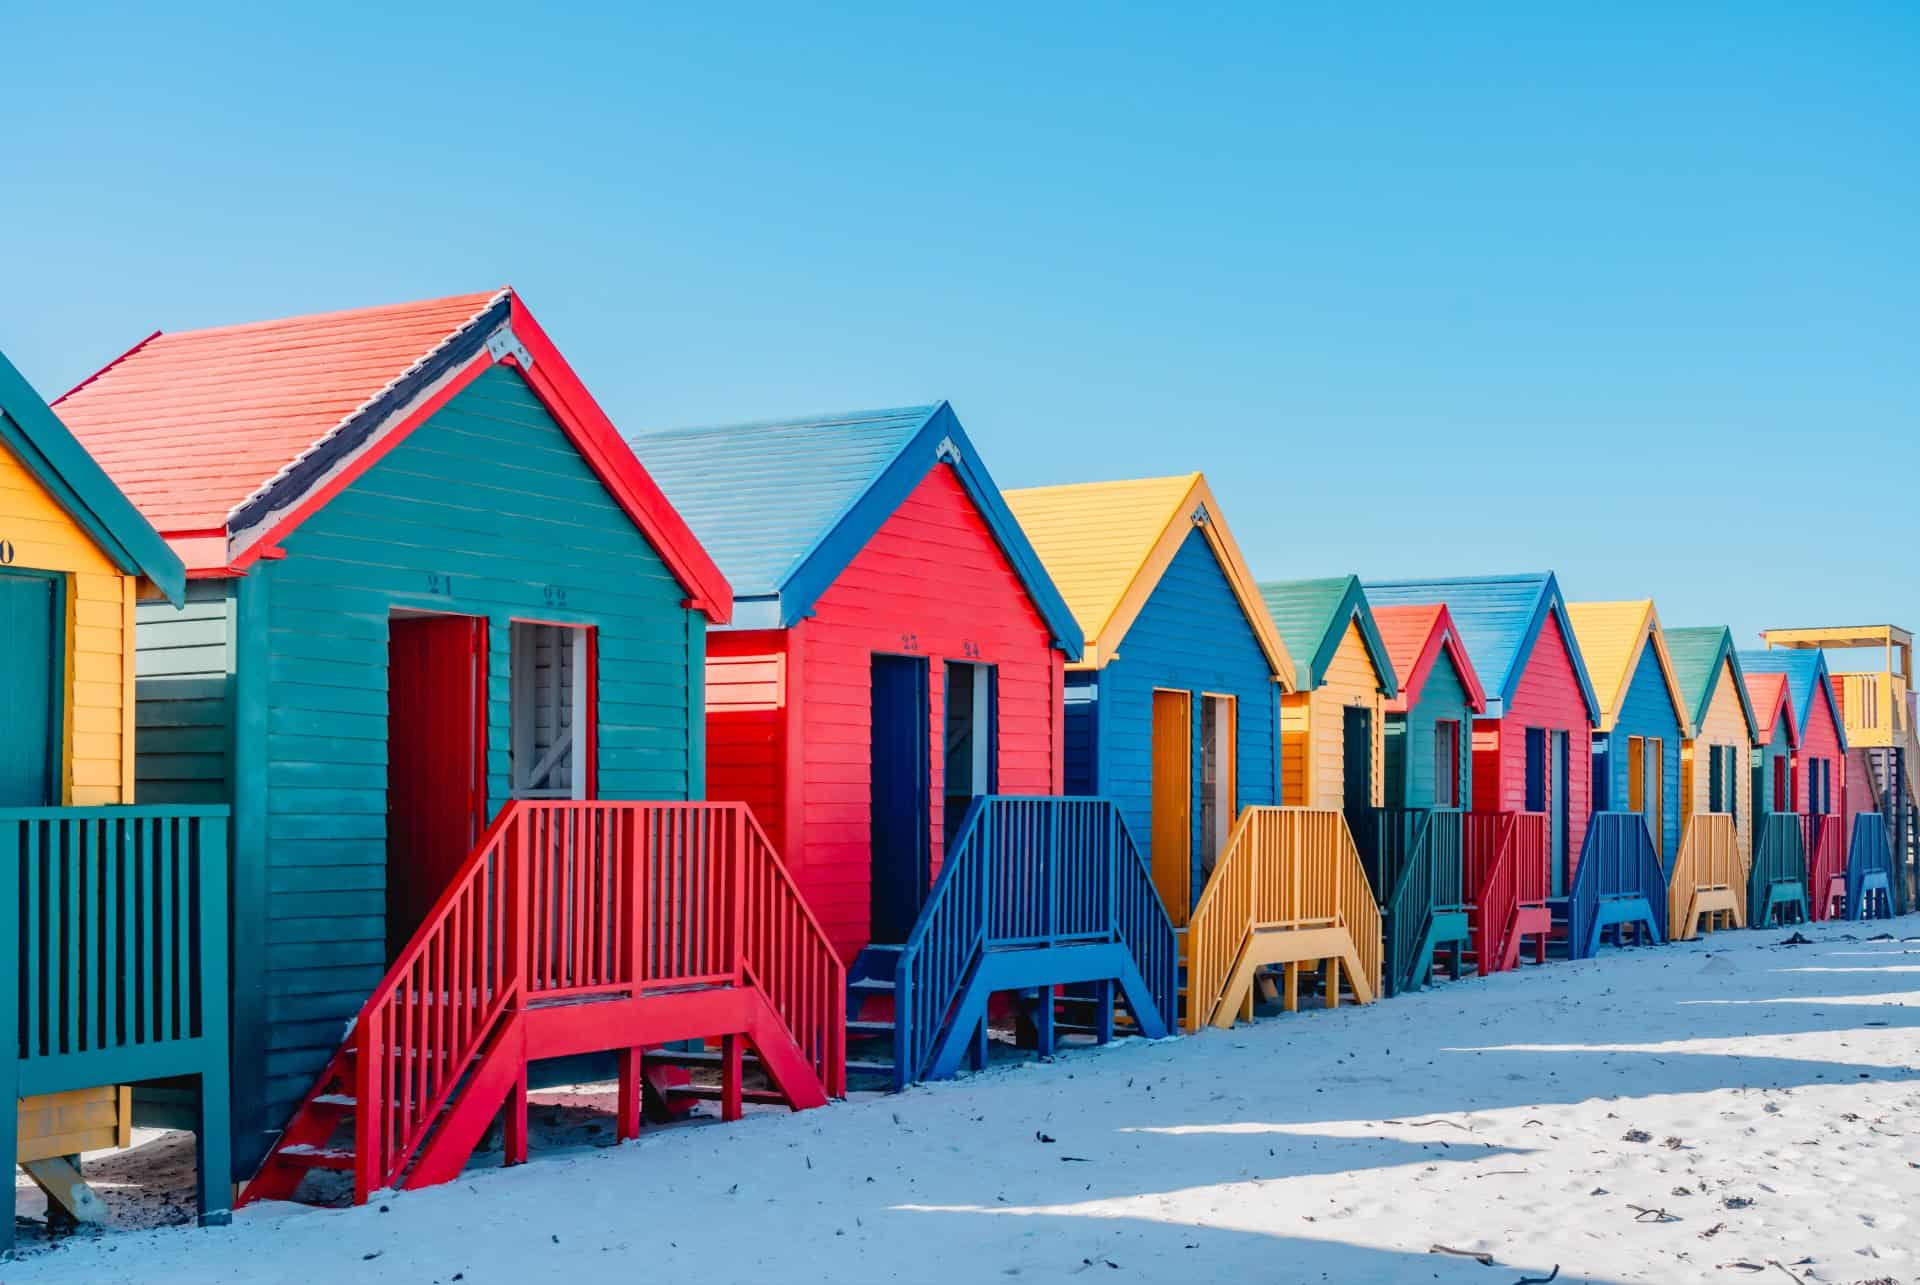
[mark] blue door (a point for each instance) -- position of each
(899, 796)
(31, 669)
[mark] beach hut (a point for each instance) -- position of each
(1173, 709)
(1817, 784)
(1877, 706)
(1633, 835)
(1532, 758)
(1428, 763)
(1777, 879)
(442, 636)
(86, 866)
(1709, 881)
(888, 700)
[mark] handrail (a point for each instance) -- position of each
(1868, 855)
(1283, 868)
(1779, 858)
(564, 899)
(1618, 861)
(1709, 860)
(1824, 842)
(1430, 880)
(121, 938)
(1385, 843)
(1026, 871)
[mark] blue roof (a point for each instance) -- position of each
(30, 429)
(1498, 617)
(1806, 671)
(784, 506)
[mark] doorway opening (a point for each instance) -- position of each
(972, 741)
(1219, 785)
(436, 760)
(1172, 852)
(1558, 808)
(550, 711)
(898, 800)
(1356, 769)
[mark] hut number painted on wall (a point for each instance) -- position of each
(439, 585)
(6, 553)
(556, 595)
(909, 642)
(971, 650)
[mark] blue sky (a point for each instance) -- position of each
(1629, 291)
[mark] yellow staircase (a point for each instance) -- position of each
(1288, 890)
(1708, 884)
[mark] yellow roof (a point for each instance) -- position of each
(1106, 545)
(1612, 636)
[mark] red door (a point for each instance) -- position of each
(436, 760)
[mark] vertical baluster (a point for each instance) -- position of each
(24, 838)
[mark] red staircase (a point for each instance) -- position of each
(1826, 851)
(575, 928)
(1506, 871)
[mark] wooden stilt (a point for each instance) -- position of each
(1043, 1022)
(730, 1077)
(626, 1126)
(1103, 1011)
(1333, 983)
(516, 1140)
(1290, 987)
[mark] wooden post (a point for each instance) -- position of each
(626, 1125)
(1103, 1012)
(1043, 1023)
(1333, 982)
(516, 1140)
(1290, 987)
(215, 1122)
(730, 1072)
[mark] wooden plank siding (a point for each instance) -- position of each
(184, 669)
(1819, 740)
(747, 724)
(1646, 710)
(1442, 698)
(1191, 635)
(934, 582)
(487, 510)
(96, 761)
(1547, 696)
(1724, 727)
(1313, 749)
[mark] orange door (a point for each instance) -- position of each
(1173, 802)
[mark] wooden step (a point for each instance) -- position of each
(861, 1029)
(865, 1066)
(871, 986)
(305, 1157)
(713, 1093)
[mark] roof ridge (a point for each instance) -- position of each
(826, 419)
(240, 327)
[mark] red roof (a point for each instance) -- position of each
(192, 424)
(226, 439)
(1414, 636)
(1767, 693)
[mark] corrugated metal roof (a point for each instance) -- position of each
(1106, 545)
(1497, 617)
(1612, 637)
(761, 496)
(1312, 617)
(190, 425)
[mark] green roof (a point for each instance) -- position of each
(1312, 617)
(1697, 654)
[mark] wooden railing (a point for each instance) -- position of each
(1283, 868)
(1824, 839)
(1505, 860)
(1027, 872)
(119, 966)
(1876, 708)
(1709, 860)
(1618, 861)
(1431, 879)
(1868, 856)
(565, 900)
(1385, 842)
(1779, 861)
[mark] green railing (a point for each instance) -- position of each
(1779, 874)
(1430, 880)
(116, 970)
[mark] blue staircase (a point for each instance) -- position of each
(1044, 899)
(1618, 886)
(1869, 869)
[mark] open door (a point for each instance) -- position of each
(971, 741)
(1356, 772)
(898, 801)
(1172, 856)
(436, 760)
(1559, 809)
(32, 688)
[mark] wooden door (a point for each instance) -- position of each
(1172, 861)
(436, 761)
(32, 686)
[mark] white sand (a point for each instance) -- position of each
(1775, 1088)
